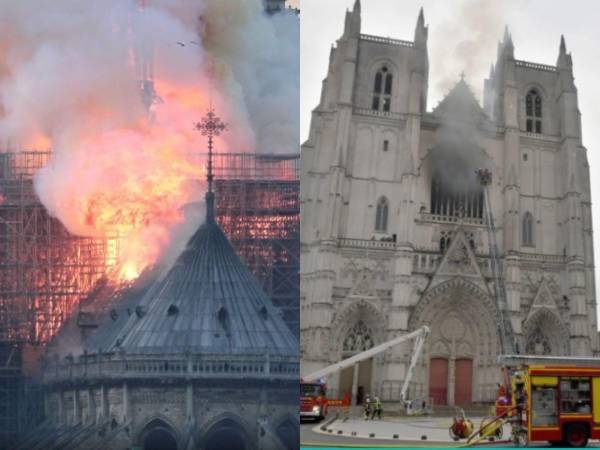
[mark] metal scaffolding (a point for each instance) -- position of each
(45, 271)
(258, 207)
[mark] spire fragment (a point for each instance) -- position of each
(210, 125)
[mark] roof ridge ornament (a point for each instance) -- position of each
(210, 125)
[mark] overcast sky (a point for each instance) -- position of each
(463, 35)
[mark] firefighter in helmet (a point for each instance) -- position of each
(376, 409)
(367, 406)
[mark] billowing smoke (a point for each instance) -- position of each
(466, 40)
(70, 81)
(456, 156)
(457, 152)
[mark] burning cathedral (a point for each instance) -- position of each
(197, 358)
(394, 226)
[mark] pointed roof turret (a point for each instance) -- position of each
(421, 31)
(506, 36)
(460, 104)
(352, 23)
(421, 19)
(564, 60)
(507, 43)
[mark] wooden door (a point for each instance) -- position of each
(438, 380)
(345, 385)
(463, 385)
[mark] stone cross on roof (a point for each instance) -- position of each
(210, 125)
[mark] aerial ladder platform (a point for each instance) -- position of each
(419, 336)
(505, 331)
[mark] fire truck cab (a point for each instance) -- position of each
(313, 400)
(556, 403)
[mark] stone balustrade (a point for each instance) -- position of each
(376, 113)
(386, 40)
(93, 367)
(532, 65)
(366, 243)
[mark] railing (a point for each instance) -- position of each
(386, 40)
(375, 113)
(427, 260)
(531, 65)
(123, 367)
(366, 243)
(428, 217)
(541, 137)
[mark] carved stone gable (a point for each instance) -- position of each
(364, 275)
(544, 298)
(459, 260)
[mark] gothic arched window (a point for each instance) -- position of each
(533, 111)
(382, 90)
(527, 236)
(381, 215)
(358, 339)
(538, 343)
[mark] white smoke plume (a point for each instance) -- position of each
(69, 82)
(466, 40)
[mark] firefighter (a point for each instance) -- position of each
(376, 409)
(367, 411)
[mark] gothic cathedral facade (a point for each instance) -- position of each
(393, 223)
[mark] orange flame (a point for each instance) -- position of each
(132, 185)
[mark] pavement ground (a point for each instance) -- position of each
(391, 432)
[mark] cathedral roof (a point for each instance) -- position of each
(460, 104)
(209, 302)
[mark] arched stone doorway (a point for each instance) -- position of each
(289, 434)
(460, 357)
(358, 327)
(545, 334)
(356, 381)
(226, 433)
(158, 435)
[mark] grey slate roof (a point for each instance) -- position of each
(209, 303)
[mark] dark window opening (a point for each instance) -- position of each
(386, 145)
(376, 103)
(524, 156)
(160, 438)
(457, 198)
(386, 104)
(382, 90)
(381, 215)
(527, 237)
(533, 112)
(378, 77)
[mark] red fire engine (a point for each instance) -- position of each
(313, 400)
(553, 399)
